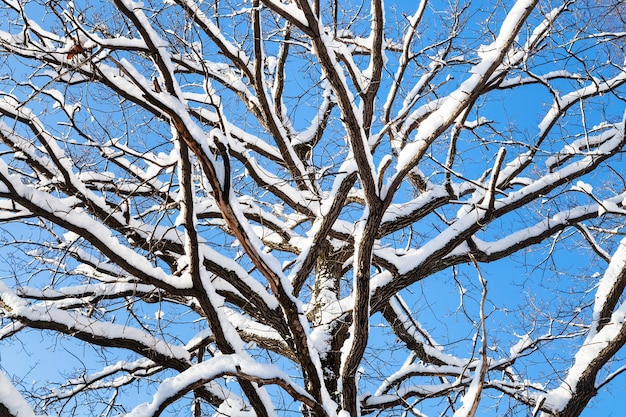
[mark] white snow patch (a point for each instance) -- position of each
(11, 398)
(583, 187)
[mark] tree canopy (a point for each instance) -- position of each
(342, 208)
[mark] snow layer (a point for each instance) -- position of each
(597, 340)
(205, 372)
(11, 398)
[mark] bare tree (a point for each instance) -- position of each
(268, 207)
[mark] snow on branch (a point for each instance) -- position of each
(223, 365)
(12, 403)
(605, 337)
(107, 334)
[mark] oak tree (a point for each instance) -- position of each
(325, 208)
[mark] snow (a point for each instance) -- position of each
(580, 146)
(582, 187)
(45, 312)
(564, 102)
(70, 109)
(419, 334)
(204, 372)
(608, 206)
(455, 101)
(118, 42)
(77, 220)
(597, 340)
(85, 290)
(90, 176)
(411, 261)
(538, 229)
(232, 407)
(472, 394)
(524, 342)
(612, 275)
(472, 124)
(11, 398)
(308, 134)
(27, 149)
(98, 379)
(347, 168)
(193, 8)
(290, 9)
(250, 326)
(137, 9)
(396, 212)
(545, 78)
(392, 381)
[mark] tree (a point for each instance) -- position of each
(321, 208)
